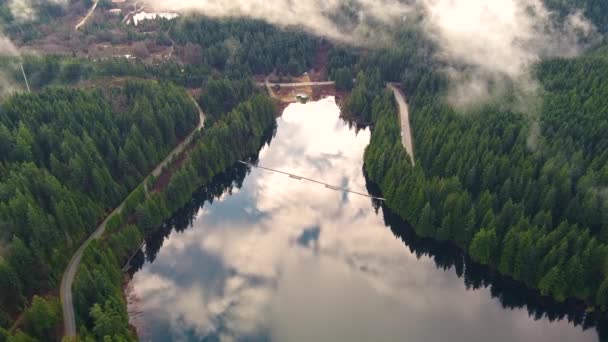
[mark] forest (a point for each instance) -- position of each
(206, 49)
(523, 193)
(22, 20)
(70, 156)
(242, 47)
(67, 157)
(593, 9)
(236, 134)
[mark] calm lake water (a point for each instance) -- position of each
(276, 259)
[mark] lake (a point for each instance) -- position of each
(260, 256)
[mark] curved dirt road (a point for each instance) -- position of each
(302, 84)
(269, 85)
(84, 21)
(67, 280)
(404, 115)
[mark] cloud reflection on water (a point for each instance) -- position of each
(240, 273)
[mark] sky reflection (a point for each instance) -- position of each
(287, 260)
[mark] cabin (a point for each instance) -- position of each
(303, 98)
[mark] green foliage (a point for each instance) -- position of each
(20, 336)
(43, 317)
(100, 307)
(115, 222)
(368, 85)
(221, 96)
(242, 47)
(483, 246)
(11, 294)
(69, 156)
(341, 58)
(593, 9)
(343, 78)
(39, 11)
(135, 198)
(99, 280)
(233, 136)
(527, 204)
(109, 321)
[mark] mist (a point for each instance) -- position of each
(343, 20)
(488, 44)
(26, 10)
(7, 48)
(484, 45)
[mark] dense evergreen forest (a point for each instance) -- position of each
(26, 30)
(206, 49)
(67, 157)
(99, 301)
(593, 9)
(525, 196)
(70, 156)
(238, 46)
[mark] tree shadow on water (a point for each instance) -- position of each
(512, 294)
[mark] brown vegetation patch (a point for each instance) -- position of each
(135, 312)
(165, 177)
(319, 71)
(288, 94)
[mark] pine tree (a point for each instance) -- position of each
(483, 246)
(426, 222)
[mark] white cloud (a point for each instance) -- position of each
(359, 283)
(26, 10)
(483, 42)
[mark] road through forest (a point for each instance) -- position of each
(67, 280)
(404, 116)
(70, 272)
(84, 21)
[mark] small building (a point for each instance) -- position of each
(115, 11)
(302, 97)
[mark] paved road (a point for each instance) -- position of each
(272, 94)
(404, 115)
(302, 84)
(83, 21)
(65, 291)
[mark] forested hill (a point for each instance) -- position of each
(527, 197)
(246, 46)
(236, 134)
(66, 158)
(595, 10)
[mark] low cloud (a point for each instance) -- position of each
(344, 20)
(7, 48)
(482, 43)
(22, 10)
(485, 44)
(6, 88)
(27, 10)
